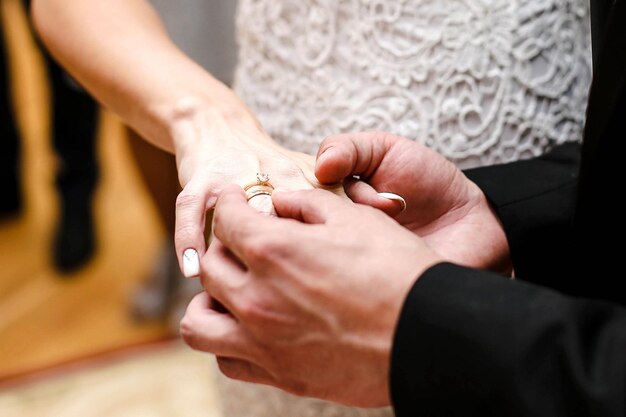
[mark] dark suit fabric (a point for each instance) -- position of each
(552, 342)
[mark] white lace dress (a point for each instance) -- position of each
(480, 81)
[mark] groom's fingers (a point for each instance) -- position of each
(244, 371)
(345, 155)
(223, 276)
(311, 206)
(362, 193)
(237, 225)
(205, 329)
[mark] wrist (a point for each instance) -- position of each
(192, 122)
(203, 134)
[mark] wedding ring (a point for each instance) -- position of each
(257, 193)
(262, 186)
(395, 197)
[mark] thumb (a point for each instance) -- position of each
(310, 206)
(345, 155)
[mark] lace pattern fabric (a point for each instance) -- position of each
(480, 81)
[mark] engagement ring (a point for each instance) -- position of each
(262, 186)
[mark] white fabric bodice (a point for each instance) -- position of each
(480, 81)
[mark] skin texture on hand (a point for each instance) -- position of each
(447, 210)
(312, 298)
(206, 166)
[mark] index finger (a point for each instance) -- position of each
(341, 156)
(191, 207)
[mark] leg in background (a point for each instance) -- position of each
(11, 201)
(165, 291)
(75, 117)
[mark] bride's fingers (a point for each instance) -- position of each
(191, 206)
(362, 193)
(263, 204)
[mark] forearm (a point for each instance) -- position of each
(121, 53)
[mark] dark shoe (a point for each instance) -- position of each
(10, 200)
(74, 243)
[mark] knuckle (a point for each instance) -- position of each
(248, 311)
(188, 331)
(230, 368)
(187, 200)
(287, 168)
(260, 249)
(185, 232)
(255, 252)
(268, 251)
(218, 217)
(255, 310)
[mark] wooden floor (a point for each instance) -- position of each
(47, 319)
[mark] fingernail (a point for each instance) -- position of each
(191, 263)
(394, 197)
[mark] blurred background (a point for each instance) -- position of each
(90, 294)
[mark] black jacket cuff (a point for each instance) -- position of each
(535, 201)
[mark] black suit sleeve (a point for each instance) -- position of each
(470, 343)
(535, 201)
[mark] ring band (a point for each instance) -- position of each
(257, 193)
(262, 186)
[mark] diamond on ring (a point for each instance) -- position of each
(263, 179)
(262, 186)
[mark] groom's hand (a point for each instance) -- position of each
(442, 206)
(313, 297)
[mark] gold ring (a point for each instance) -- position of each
(262, 180)
(262, 186)
(257, 193)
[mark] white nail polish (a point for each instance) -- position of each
(394, 197)
(191, 263)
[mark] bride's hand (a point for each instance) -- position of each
(212, 153)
